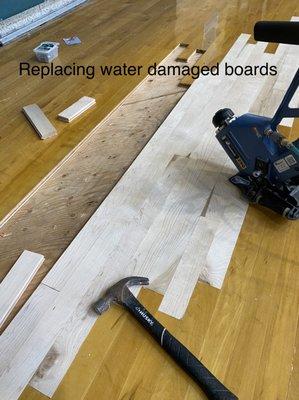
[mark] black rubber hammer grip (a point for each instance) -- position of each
(210, 385)
(119, 293)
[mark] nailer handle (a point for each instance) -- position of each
(277, 31)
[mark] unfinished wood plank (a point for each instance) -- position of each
(210, 248)
(276, 86)
(229, 209)
(39, 121)
(16, 281)
(193, 261)
(76, 109)
(35, 307)
(161, 250)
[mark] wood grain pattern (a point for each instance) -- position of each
(35, 307)
(254, 280)
(115, 369)
(229, 209)
(293, 390)
(188, 52)
(231, 214)
(191, 268)
(107, 39)
(83, 266)
(39, 121)
(69, 341)
(17, 280)
(110, 37)
(76, 109)
(56, 212)
(120, 119)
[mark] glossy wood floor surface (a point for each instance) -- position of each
(136, 32)
(247, 332)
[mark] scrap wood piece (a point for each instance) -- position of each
(39, 121)
(76, 109)
(16, 281)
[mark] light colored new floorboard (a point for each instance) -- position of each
(76, 109)
(16, 281)
(35, 308)
(189, 269)
(229, 209)
(39, 121)
(274, 90)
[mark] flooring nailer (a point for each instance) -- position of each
(268, 163)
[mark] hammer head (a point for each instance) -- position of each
(118, 293)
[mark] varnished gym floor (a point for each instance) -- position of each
(246, 333)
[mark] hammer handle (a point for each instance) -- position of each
(211, 386)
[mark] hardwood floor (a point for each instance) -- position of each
(247, 332)
(136, 32)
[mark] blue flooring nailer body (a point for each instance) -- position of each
(268, 163)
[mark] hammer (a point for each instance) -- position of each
(120, 294)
